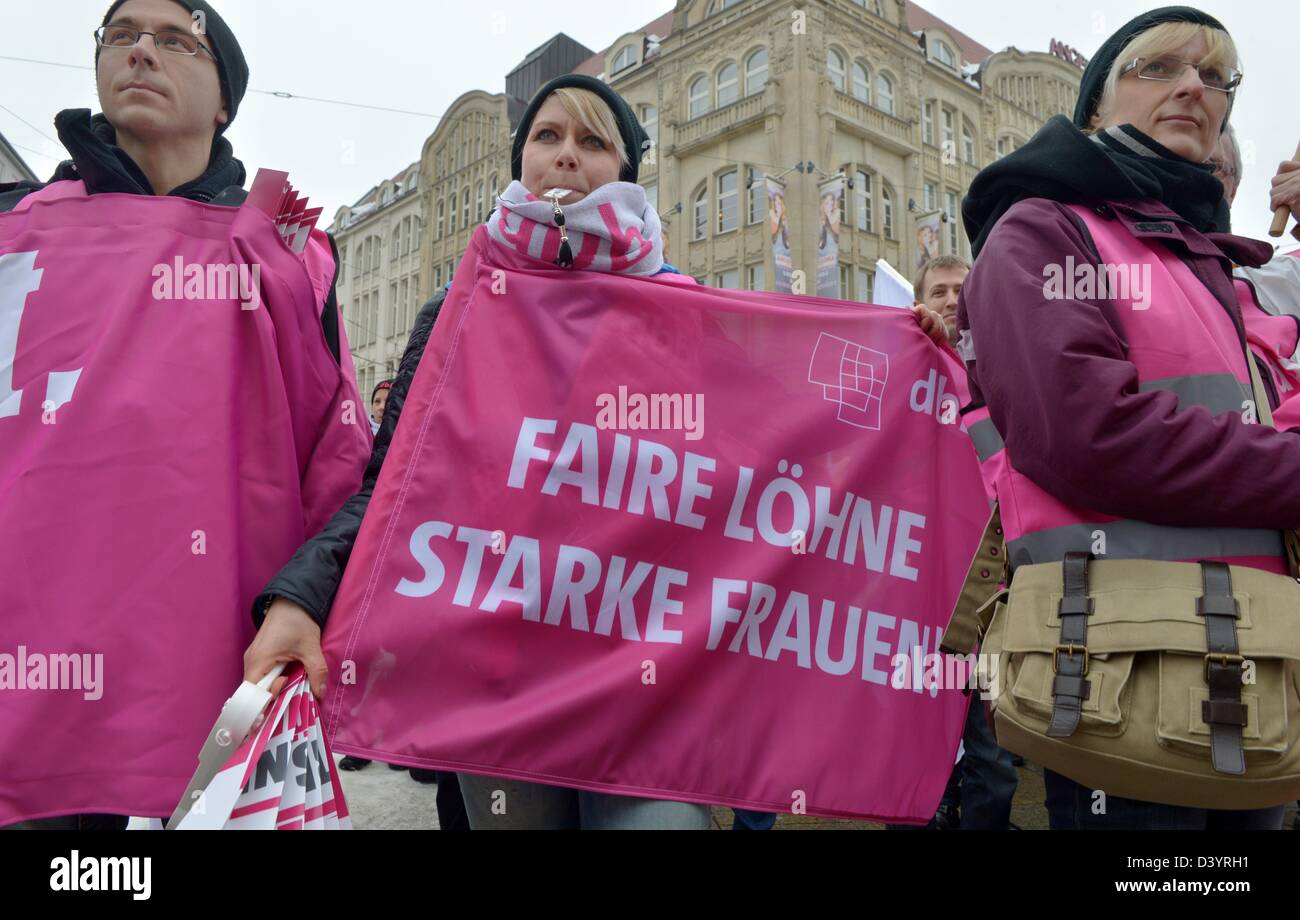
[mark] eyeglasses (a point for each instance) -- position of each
(170, 40)
(1167, 68)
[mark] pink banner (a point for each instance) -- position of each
(172, 428)
(661, 540)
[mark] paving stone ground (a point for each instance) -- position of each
(381, 798)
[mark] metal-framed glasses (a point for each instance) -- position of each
(171, 40)
(1168, 68)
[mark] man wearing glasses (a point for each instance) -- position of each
(187, 448)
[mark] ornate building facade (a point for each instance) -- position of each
(902, 105)
(380, 240)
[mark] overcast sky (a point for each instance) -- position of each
(420, 56)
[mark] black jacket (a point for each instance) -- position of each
(311, 578)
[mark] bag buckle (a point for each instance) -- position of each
(1070, 651)
(1224, 659)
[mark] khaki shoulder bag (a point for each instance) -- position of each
(1169, 682)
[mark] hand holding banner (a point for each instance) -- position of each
(665, 541)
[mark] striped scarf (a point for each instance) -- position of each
(613, 229)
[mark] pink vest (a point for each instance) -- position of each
(170, 434)
(1272, 338)
(1182, 341)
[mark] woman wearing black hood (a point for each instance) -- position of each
(1112, 395)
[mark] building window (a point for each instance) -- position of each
(887, 206)
(464, 214)
(728, 202)
(418, 224)
(728, 85)
(410, 304)
(756, 72)
(729, 279)
(949, 134)
(756, 279)
(625, 58)
(950, 205)
(844, 282)
(864, 282)
(699, 96)
(451, 213)
(930, 197)
(862, 201)
(650, 121)
(700, 209)
(861, 82)
(757, 194)
(927, 123)
(885, 94)
(478, 202)
(944, 54)
(835, 68)
(968, 143)
(394, 305)
(652, 195)
(437, 278)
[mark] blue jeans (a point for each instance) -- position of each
(747, 820)
(1070, 807)
(988, 778)
(493, 803)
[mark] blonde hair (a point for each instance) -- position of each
(1162, 39)
(594, 114)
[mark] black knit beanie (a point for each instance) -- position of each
(232, 69)
(1094, 77)
(635, 140)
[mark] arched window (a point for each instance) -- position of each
(698, 96)
(728, 201)
(464, 214)
(861, 82)
(728, 85)
(625, 58)
(650, 121)
(442, 219)
(451, 213)
(862, 201)
(717, 6)
(492, 191)
(944, 54)
(887, 205)
(700, 213)
(478, 203)
(756, 72)
(968, 143)
(835, 68)
(885, 94)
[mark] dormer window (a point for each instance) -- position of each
(944, 54)
(625, 58)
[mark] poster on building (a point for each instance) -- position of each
(929, 238)
(779, 228)
(830, 205)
